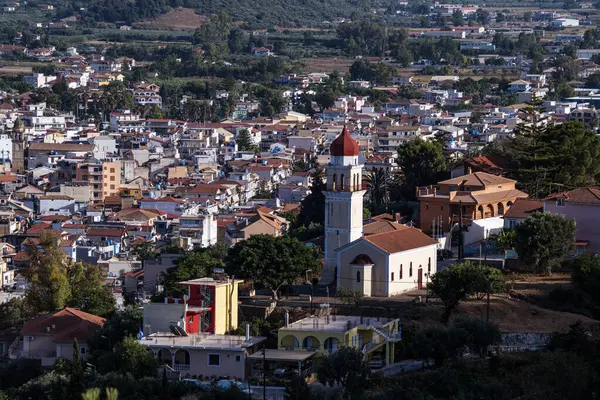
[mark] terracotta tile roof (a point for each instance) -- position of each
(21, 256)
(40, 226)
(587, 195)
(523, 208)
(380, 227)
(105, 232)
(477, 178)
(8, 178)
(64, 325)
(289, 207)
(491, 164)
(52, 218)
(404, 239)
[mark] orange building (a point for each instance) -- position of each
(481, 195)
(103, 178)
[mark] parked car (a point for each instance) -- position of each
(197, 384)
(227, 384)
(376, 362)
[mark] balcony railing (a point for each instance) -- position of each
(181, 367)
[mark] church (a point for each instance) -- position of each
(382, 258)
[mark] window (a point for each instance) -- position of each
(410, 270)
(358, 276)
(238, 358)
(429, 266)
(214, 360)
(560, 202)
(83, 349)
(400, 271)
(342, 182)
(112, 186)
(333, 182)
(112, 170)
(112, 178)
(442, 207)
(392, 277)
(427, 206)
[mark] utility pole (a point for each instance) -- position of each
(264, 351)
(460, 231)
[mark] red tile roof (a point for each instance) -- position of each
(523, 208)
(588, 195)
(64, 325)
(400, 240)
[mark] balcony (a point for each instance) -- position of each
(182, 367)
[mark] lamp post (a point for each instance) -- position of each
(109, 341)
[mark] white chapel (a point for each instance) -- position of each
(382, 258)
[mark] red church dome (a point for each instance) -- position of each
(344, 145)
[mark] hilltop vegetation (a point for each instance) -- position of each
(259, 13)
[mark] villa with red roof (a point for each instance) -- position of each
(50, 337)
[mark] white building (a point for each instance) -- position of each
(563, 22)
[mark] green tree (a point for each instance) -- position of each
(87, 290)
(421, 163)
(459, 281)
(245, 142)
(313, 205)
(297, 389)
(12, 313)
(274, 261)
(586, 273)
(144, 251)
(440, 343)
(378, 194)
(458, 18)
(135, 359)
(49, 287)
(196, 264)
(544, 239)
(504, 240)
(347, 369)
(76, 383)
(122, 324)
(480, 335)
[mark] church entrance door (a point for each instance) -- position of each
(420, 279)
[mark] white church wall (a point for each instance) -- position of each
(347, 274)
(420, 258)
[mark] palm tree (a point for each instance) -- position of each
(378, 189)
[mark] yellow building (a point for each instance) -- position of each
(326, 334)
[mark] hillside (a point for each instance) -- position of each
(256, 14)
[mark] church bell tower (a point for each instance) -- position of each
(18, 147)
(343, 201)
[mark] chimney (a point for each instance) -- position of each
(247, 331)
(287, 319)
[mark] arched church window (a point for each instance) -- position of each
(333, 182)
(429, 265)
(410, 270)
(358, 276)
(342, 182)
(400, 271)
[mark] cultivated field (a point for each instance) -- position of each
(177, 19)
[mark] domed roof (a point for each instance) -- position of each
(344, 145)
